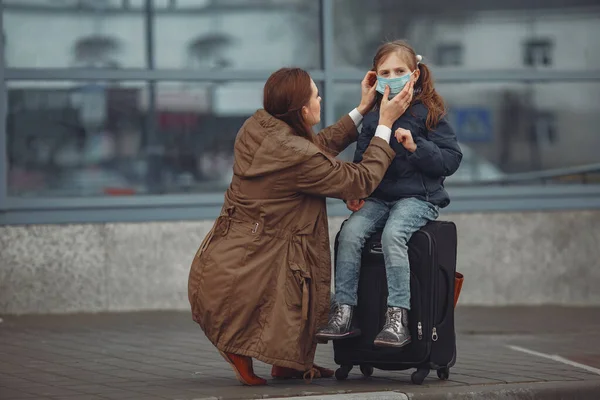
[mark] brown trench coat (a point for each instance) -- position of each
(259, 284)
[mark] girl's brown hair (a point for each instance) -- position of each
(424, 89)
(286, 91)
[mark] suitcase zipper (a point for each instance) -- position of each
(434, 335)
(419, 320)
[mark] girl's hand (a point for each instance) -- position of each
(355, 205)
(405, 138)
(391, 110)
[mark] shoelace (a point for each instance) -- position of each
(336, 318)
(394, 320)
(311, 374)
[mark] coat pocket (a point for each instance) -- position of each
(297, 288)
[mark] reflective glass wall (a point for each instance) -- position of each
(106, 98)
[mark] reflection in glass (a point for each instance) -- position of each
(67, 139)
(99, 138)
(238, 34)
(197, 124)
(50, 34)
(509, 128)
(483, 34)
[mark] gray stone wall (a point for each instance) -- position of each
(507, 258)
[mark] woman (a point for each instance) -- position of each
(259, 283)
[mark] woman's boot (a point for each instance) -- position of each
(242, 366)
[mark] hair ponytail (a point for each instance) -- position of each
(426, 93)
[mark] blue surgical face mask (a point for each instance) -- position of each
(396, 84)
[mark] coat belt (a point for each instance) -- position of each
(226, 219)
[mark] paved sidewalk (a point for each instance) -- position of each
(539, 352)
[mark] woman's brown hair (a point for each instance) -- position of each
(424, 89)
(286, 91)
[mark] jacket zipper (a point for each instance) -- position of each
(425, 189)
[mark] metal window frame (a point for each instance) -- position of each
(327, 48)
(516, 75)
(208, 206)
(254, 6)
(15, 210)
(3, 108)
(138, 74)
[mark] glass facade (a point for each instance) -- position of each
(143, 98)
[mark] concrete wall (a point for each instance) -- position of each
(507, 258)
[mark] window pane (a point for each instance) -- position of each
(510, 128)
(237, 34)
(99, 138)
(50, 34)
(198, 123)
(480, 34)
(81, 4)
(76, 139)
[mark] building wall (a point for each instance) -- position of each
(507, 258)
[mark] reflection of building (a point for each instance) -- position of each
(533, 122)
(248, 37)
(170, 122)
(192, 70)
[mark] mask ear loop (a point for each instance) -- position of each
(419, 59)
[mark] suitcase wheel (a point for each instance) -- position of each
(342, 372)
(443, 373)
(367, 370)
(418, 377)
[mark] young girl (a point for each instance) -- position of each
(410, 194)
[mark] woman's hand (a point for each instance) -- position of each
(355, 205)
(367, 86)
(391, 110)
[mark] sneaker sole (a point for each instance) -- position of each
(381, 343)
(348, 335)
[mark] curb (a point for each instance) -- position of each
(389, 395)
(580, 390)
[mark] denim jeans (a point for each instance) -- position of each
(399, 220)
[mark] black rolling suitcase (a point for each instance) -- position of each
(432, 254)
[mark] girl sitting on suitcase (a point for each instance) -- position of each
(410, 194)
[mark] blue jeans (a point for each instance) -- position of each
(399, 220)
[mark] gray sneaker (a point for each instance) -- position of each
(395, 332)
